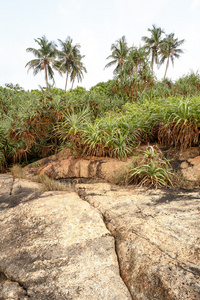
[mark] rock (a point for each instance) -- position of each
(6, 183)
(11, 291)
(119, 243)
(55, 246)
(102, 168)
(157, 238)
(191, 169)
(188, 153)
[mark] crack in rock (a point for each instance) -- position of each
(12, 289)
(83, 195)
(150, 270)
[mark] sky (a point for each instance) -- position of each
(95, 25)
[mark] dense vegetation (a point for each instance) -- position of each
(100, 122)
(110, 119)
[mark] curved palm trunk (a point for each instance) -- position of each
(66, 80)
(167, 65)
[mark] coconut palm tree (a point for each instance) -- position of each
(119, 54)
(77, 70)
(170, 50)
(68, 57)
(153, 43)
(45, 58)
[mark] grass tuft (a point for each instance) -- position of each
(48, 184)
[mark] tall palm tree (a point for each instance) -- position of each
(77, 70)
(68, 57)
(170, 50)
(153, 43)
(45, 58)
(119, 54)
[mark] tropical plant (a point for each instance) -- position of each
(71, 128)
(180, 125)
(153, 43)
(45, 58)
(135, 73)
(93, 140)
(70, 60)
(170, 50)
(119, 54)
(152, 170)
(77, 70)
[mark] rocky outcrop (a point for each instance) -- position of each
(54, 246)
(88, 168)
(65, 166)
(119, 243)
(157, 238)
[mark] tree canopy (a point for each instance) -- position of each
(45, 58)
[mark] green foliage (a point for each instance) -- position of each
(45, 58)
(180, 125)
(152, 170)
(98, 122)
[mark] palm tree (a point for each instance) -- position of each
(152, 44)
(77, 69)
(68, 57)
(119, 54)
(170, 50)
(45, 58)
(136, 72)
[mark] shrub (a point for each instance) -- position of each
(152, 170)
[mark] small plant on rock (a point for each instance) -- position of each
(153, 170)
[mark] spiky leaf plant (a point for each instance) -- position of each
(152, 170)
(71, 128)
(180, 127)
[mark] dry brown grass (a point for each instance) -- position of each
(48, 184)
(182, 135)
(180, 182)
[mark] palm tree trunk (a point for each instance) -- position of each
(46, 77)
(152, 62)
(66, 80)
(166, 67)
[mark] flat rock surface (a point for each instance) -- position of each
(157, 236)
(54, 245)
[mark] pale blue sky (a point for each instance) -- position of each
(95, 25)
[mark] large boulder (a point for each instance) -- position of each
(86, 168)
(157, 238)
(54, 246)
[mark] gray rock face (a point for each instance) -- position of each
(116, 244)
(157, 238)
(54, 246)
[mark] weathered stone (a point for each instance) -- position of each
(6, 183)
(11, 291)
(191, 169)
(188, 153)
(56, 246)
(157, 238)
(103, 168)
